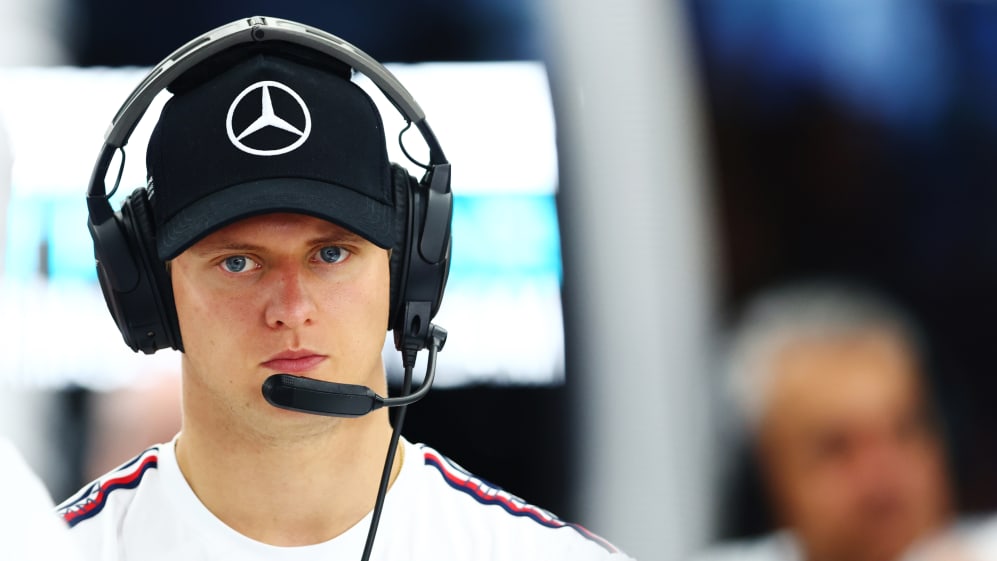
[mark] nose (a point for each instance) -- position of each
(882, 469)
(290, 303)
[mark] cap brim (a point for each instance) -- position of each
(358, 213)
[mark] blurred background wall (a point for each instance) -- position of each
(854, 139)
(706, 150)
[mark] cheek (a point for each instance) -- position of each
(348, 310)
(928, 471)
(803, 487)
(363, 305)
(204, 317)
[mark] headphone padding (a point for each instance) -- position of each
(402, 184)
(137, 222)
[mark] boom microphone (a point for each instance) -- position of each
(308, 395)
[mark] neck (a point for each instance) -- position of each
(307, 484)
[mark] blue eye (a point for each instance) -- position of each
(333, 254)
(236, 263)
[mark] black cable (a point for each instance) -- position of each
(404, 151)
(389, 461)
(121, 171)
(436, 339)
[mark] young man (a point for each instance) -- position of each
(271, 199)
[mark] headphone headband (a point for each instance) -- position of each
(256, 29)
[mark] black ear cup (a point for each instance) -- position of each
(420, 260)
(135, 283)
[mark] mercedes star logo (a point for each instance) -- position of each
(269, 118)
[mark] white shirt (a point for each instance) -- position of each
(967, 540)
(435, 510)
(777, 546)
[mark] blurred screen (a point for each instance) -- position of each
(506, 268)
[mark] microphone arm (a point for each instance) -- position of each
(307, 395)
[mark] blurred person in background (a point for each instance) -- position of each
(829, 388)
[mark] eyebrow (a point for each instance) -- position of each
(227, 246)
(221, 247)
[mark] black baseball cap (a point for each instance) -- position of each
(265, 134)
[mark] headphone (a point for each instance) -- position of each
(136, 283)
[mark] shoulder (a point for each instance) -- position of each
(980, 535)
(489, 514)
(778, 546)
(970, 537)
(110, 495)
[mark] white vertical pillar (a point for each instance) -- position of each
(638, 273)
(6, 163)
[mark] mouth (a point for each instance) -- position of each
(294, 362)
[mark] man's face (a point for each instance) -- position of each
(278, 293)
(854, 463)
